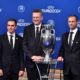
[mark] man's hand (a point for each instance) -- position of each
(1, 72)
(37, 58)
(60, 59)
(21, 73)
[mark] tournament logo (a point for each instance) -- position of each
(51, 22)
(51, 9)
(58, 38)
(79, 9)
(21, 8)
(20, 34)
(22, 22)
(78, 24)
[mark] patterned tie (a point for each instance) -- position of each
(70, 39)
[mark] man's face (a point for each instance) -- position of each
(11, 26)
(37, 18)
(72, 22)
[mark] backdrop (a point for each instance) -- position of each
(54, 12)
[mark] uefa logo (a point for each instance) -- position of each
(78, 24)
(51, 22)
(79, 9)
(58, 38)
(21, 8)
(20, 34)
(22, 22)
(51, 9)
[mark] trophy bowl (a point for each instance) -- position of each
(47, 41)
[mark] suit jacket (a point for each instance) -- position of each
(31, 46)
(71, 55)
(11, 59)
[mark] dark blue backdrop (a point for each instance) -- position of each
(54, 11)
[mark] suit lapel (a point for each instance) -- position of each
(16, 41)
(6, 40)
(32, 31)
(75, 39)
(66, 39)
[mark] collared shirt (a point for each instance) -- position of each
(73, 35)
(39, 27)
(9, 34)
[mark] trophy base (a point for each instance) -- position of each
(47, 61)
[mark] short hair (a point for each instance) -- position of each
(37, 11)
(74, 16)
(12, 19)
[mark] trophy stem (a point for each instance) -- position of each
(47, 57)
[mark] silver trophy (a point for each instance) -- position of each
(47, 41)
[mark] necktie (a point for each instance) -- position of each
(37, 39)
(11, 41)
(70, 39)
(37, 32)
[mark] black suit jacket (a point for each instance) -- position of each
(71, 55)
(11, 59)
(31, 46)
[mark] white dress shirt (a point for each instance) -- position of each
(9, 34)
(39, 27)
(73, 35)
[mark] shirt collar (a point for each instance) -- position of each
(13, 34)
(38, 25)
(74, 31)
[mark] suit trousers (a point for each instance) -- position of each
(71, 76)
(9, 76)
(33, 73)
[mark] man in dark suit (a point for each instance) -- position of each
(70, 50)
(32, 47)
(11, 53)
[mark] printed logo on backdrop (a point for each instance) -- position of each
(79, 9)
(20, 34)
(52, 22)
(51, 9)
(0, 10)
(21, 8)
(58, 38)
(78, 24)
(22, 22)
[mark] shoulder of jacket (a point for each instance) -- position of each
(29, 26)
